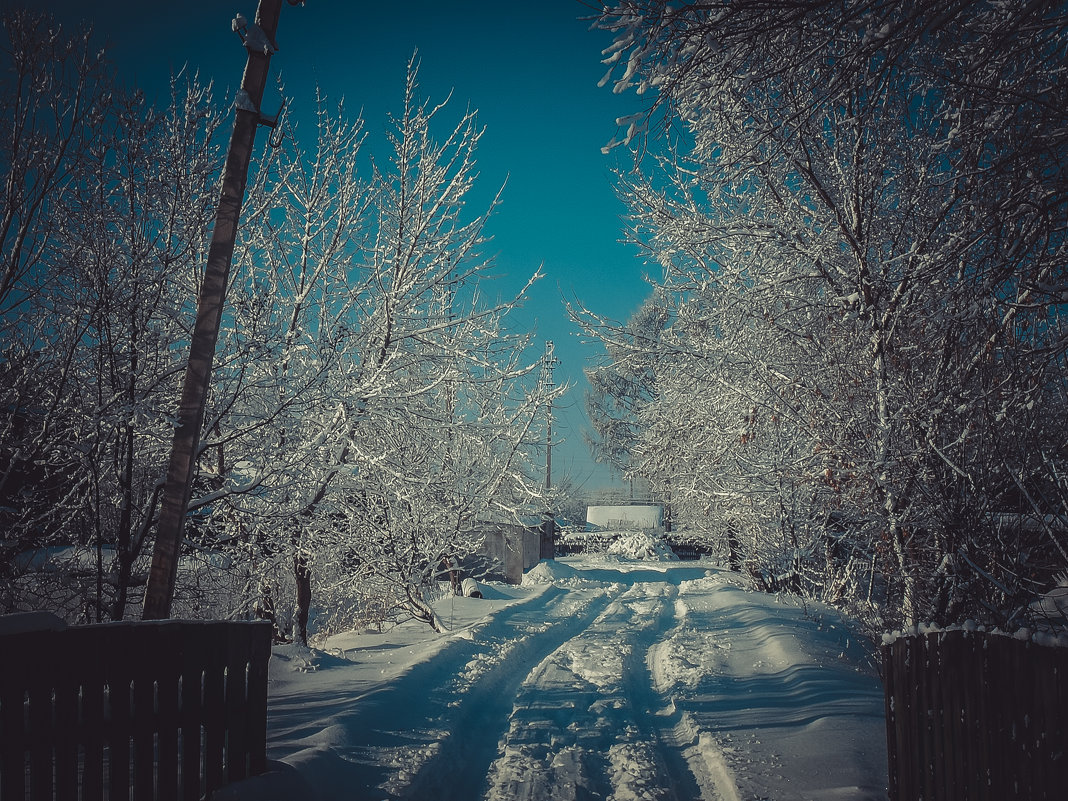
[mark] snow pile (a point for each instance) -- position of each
(642, 545)
(1050, 639)
(548, 571)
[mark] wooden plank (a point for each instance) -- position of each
(950, 661)
(262, 633)
(143, 662)
(1043, 693)
(998, 734)
(910, 735)
(191, 702)
(12, 729)
(214, 712)
(40, 736)
(115, 644)
(889, 698)
(936, 716)
(982, 720)
(169, 673)
(67, 701)
(928, 683)
(1058, 748)
(92, 733)
(238, 651)
(965, 751)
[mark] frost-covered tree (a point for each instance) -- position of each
(107, 211)
(369, 406)
(53, 88)
(864, 205)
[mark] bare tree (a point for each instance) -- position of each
(370, 397)
(826, 173)
(106, 231)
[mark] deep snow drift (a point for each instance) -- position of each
(600, 677)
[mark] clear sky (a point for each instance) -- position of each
(531, 71)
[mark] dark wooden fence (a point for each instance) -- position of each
(161, 710)
(973, 716)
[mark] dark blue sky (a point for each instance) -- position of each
(531, 71)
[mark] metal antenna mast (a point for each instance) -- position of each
(549, 361)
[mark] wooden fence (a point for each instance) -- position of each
(162, 710)
(976, 717)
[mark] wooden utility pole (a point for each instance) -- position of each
(259, 39)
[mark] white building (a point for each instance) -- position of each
(624, 517)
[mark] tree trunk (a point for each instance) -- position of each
(302, 576)
(734, 561)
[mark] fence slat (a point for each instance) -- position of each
(41, 737)
(169, 668)
(67, 691)
(238, 648)
(119, 674)
(903, 726)
(91, 733)
(953, 653)
(192, 702)
(257, 697)
(12, 730)
(144, 717)
(214, 713)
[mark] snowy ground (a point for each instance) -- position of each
(599, 678)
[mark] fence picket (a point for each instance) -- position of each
(67, 699)
(117, 710)
(91, 733)
(256, 710)
(237, 656)
(13, 739)
(39, 693)
(169, 671)
(214, 712)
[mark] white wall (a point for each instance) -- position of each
(613, 518)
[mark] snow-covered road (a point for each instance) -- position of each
(598, 679)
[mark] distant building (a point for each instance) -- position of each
(507, 550)
(624, 517)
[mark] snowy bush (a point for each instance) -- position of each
(642, 545)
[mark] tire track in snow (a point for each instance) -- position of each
(586, 722)
(705, 764)
(525, 636)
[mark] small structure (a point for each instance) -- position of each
(507, 550)
(624, 517)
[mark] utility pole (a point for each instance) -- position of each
(549, 361)
(259, 40)
(548, 526)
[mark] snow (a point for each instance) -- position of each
(599, 677)
(642, 545)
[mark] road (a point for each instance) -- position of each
(608, 680)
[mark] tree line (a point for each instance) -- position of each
(850, 374)
(370, 411)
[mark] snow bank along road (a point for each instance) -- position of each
(598, 679)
